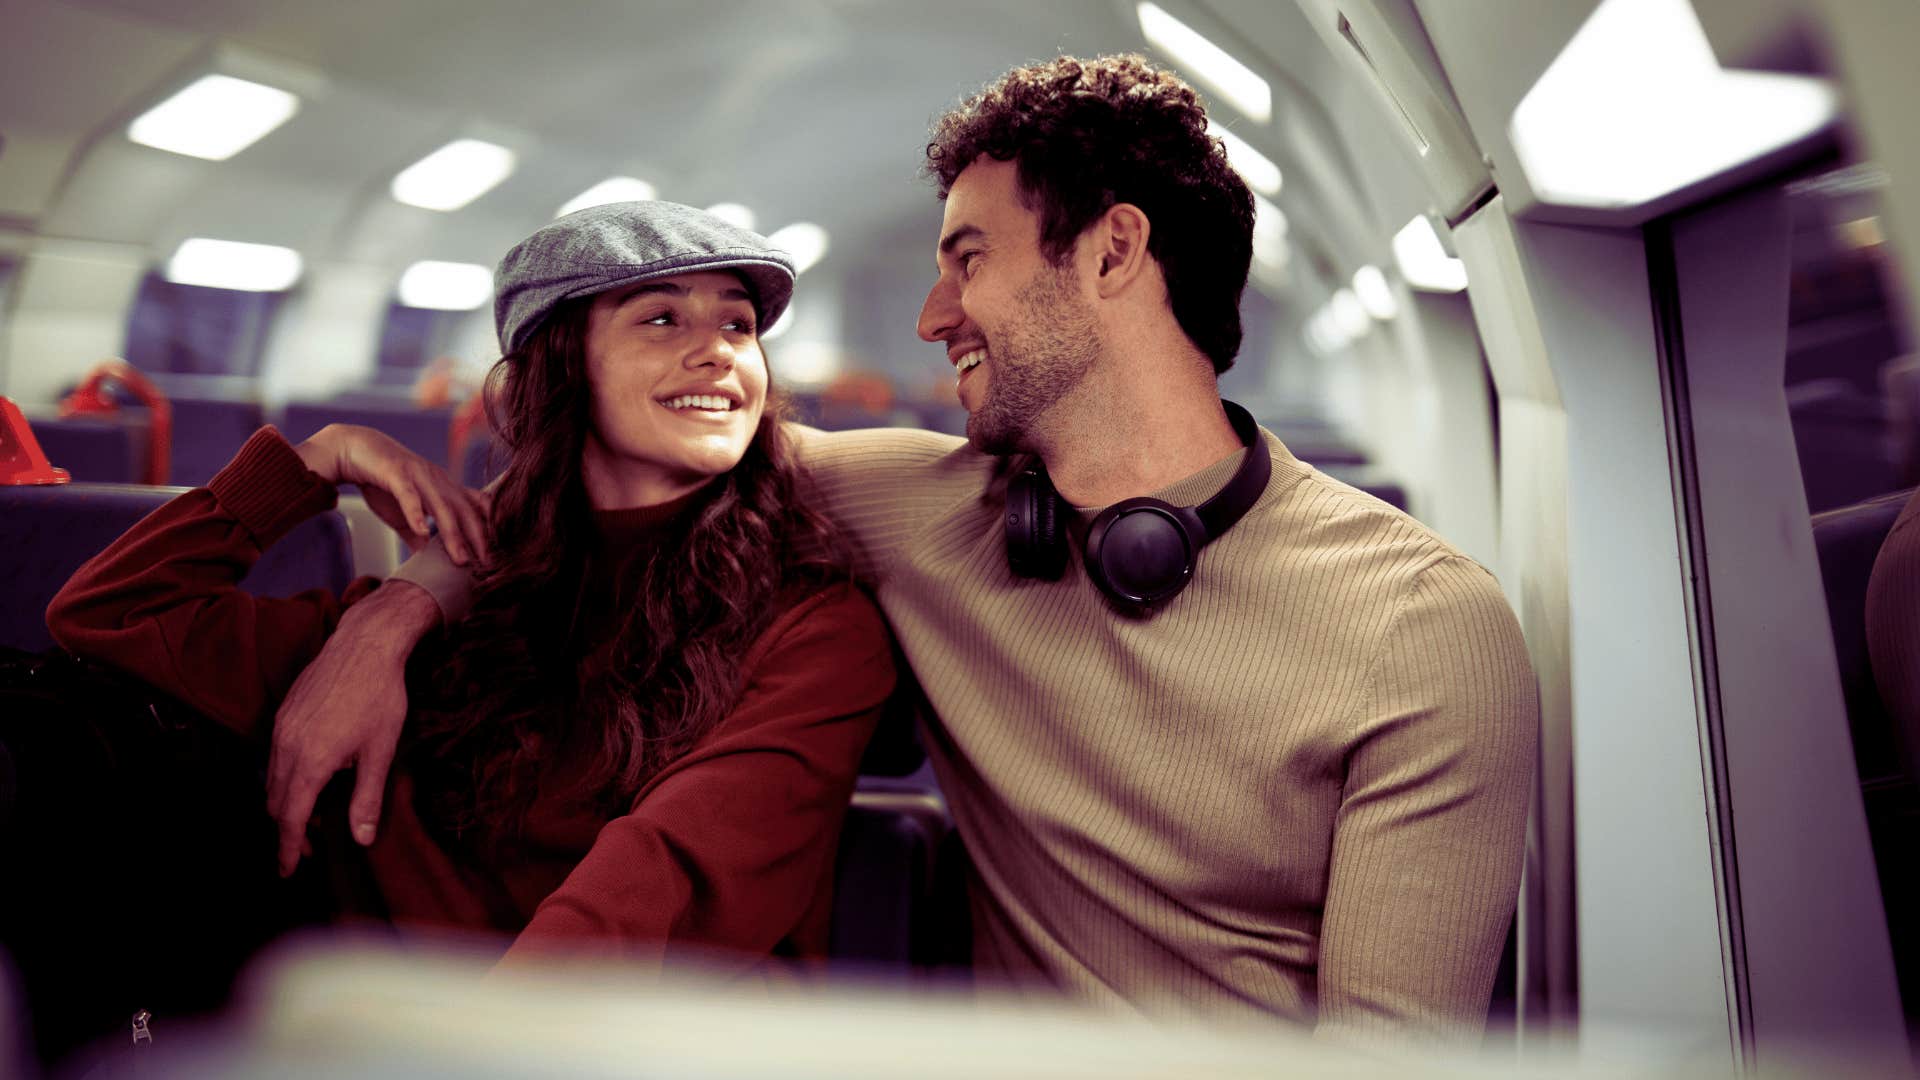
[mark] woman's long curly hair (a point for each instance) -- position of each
(504, 690)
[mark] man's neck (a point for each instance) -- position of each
(1125, 438)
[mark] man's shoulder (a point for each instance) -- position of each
(1322, 526)
(882, 459)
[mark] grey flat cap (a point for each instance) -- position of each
(619, 244)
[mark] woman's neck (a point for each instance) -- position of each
(616, 484)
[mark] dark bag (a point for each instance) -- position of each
(135, 850)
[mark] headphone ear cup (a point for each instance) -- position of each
(1036, 546)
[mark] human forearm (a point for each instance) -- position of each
(163, 601)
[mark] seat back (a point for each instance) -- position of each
(424, 431)
(899, 899)
(97, 449)
(213, 416)
(46, 533)
(1847, 541)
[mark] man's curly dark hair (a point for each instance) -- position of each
(1088, 134)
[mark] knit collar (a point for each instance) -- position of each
(1198, 487)
(619, 530)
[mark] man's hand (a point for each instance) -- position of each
(347, 707)
(400, 486)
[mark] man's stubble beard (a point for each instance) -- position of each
(1036, 363)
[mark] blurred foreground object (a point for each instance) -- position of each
(366, 1013)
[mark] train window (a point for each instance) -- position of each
(195, 329)
(1853, 395)
(1785, 294)
(1853, 380)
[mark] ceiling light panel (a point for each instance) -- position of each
(1637, 107)
(228, 264)
(454, 175)
(1370, 285)
(446, 286)
(803, 240)
(1423, 261)
(1235, 83)
(1261, 174)
(733, 214)
(611, 190)
(1349, 314)
(214, 118)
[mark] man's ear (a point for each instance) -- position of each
(1120, 248)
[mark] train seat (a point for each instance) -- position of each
(423, 431)
(96, 449)
(899, 901)
(1841, 436)
(47, 532)
(213, 416)
(1847, 541)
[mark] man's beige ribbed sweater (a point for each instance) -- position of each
(1299, 789)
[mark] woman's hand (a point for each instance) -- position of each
(402, 487)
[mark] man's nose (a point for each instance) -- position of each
(941, 313)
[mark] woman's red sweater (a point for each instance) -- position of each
(728, 851)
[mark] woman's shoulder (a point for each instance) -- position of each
(811, 613)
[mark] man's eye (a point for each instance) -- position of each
(968, 261)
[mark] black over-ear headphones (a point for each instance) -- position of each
(1139, 551)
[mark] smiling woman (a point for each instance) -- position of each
(643, 737)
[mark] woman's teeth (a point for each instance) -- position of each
(710, 402)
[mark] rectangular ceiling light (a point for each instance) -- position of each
(612, 190)
(803, 240)
(215, 118)
(1232, 80)
(446, 286)
(1423, 261)
(1636, 106)
(454, 175)
(733, 214)
(228, 264)
(1376, 295)
(1269, 233)
(1259, 171)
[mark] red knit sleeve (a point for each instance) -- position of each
(728, 846)
(163, 602)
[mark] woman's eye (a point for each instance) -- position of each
(665, 318)
(740, 326)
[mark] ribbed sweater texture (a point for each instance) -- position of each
(1298, 789)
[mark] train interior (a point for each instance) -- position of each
(1618, 296)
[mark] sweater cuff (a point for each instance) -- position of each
(268, 489)
(433, 570)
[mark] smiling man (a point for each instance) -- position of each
(1224, 737)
